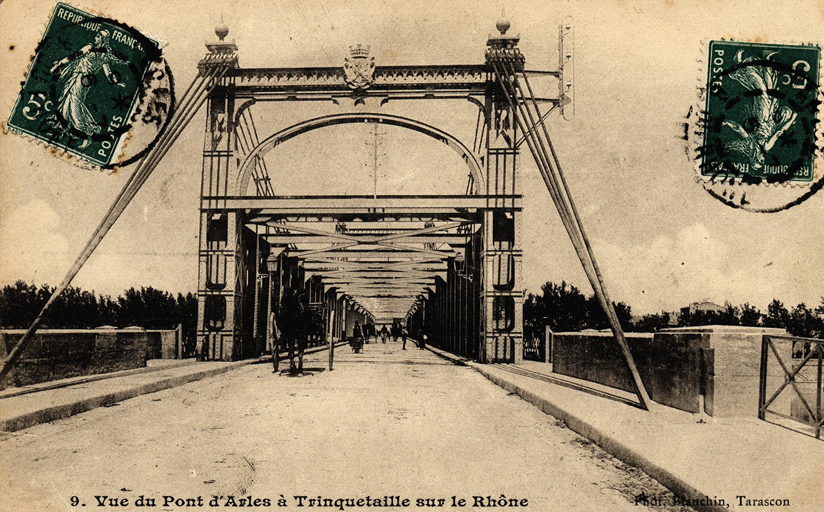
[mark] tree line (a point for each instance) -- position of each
(564, 308)
(75, 308)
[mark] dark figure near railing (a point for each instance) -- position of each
(357, 338)
(421, 336)
(292, 323)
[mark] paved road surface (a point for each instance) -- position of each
(385, 422)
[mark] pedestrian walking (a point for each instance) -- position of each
(357, 338)
(275, 339)
(421, 339)
(403, 337)
(384, 334)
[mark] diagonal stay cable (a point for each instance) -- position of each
(594, 274)
(550, 184)
(606, 303)
(563, 201)
(181, 117)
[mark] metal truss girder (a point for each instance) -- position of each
(401, 291)
(383, 298)
(404, 206)
(330, 270)
(379, 274)
(379, 281)
(289, 83)
(422, 263)
(306, 234)
(286, 238)
(348, 278)
(337, 275)
(381, 286)
(373, 253)
(384, 273)
(321, 217)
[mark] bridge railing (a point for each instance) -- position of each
(798, 369)
(534, 349)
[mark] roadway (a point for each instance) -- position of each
(384, 423)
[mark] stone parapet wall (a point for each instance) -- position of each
(670, 366)
(733, 371)
(680, 367)
(55, 354)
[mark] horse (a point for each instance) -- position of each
(293, 335)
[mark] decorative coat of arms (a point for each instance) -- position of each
(359, 71)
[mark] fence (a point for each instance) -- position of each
(536, 347)
(804, 379)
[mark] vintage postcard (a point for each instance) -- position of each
(345, 255)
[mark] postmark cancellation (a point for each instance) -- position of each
(755, 135)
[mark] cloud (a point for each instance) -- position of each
(668, 273)
(32, 246)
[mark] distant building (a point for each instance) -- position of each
(702, 307)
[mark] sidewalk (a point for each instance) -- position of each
(19, 411)
(701, 458)
(28, 406)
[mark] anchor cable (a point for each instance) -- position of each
(550, 170)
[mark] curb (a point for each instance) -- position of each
(66, 410)
(610, 445)
(458, 360)
(85, 379)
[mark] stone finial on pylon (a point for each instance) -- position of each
(221, 53)
(503, 23)
(222, 29)
(502, 40)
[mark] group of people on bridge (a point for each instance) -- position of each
(295, 325)
(363, 334)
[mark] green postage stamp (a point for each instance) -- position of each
(86, 80)
(761, 113)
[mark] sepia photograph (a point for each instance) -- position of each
(345, 255)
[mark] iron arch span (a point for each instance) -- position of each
(471, 160)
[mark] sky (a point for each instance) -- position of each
(660, 239)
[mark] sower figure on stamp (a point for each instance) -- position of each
(769, 120)
(77, 72)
